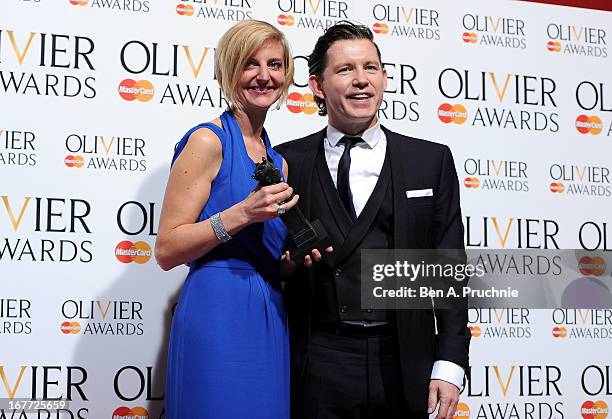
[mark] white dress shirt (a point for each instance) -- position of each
(367, 160)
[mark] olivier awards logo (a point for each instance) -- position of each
(582, 324)
(405, 22)
(495, 175)
(17, 148)
(183, 73)
(221, 10)
(576, 40)
(492, 323)
(131, 6)
(498, 31)
(112, 317)
(583, 180)
(105, 153)
(44, 229)
(504, 101)
(315, 15)
(33, 65)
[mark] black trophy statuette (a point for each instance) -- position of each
(306, 235)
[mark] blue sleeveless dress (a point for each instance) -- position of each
(228, 354)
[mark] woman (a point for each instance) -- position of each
(228, 354)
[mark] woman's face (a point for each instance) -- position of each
(263, 77)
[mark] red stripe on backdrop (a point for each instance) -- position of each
(585, 4)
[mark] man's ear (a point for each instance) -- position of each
(315, 86)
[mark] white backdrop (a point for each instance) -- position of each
(521, 93)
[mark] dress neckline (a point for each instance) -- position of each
(234, 130)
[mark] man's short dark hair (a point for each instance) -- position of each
(343, 30)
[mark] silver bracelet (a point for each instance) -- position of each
(219, 229)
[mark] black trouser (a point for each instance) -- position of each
(353, 377)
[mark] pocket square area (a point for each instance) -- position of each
(417, 193)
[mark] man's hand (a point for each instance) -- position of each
(288, 266)
(447, 395)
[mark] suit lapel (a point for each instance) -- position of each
(339, 213)
(306, 170)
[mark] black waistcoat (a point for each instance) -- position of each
(337, 287)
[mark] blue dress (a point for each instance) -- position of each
(228, 354)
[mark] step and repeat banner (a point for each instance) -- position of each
(95, 93)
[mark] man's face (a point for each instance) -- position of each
(352, 85)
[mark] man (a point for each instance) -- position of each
(354, 175)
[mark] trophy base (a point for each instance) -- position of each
(313, 238)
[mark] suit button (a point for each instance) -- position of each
(343, 309)
(370, 310)
(338, 272)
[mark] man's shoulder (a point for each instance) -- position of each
(300, 145)
(415, 144)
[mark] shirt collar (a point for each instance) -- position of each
(371, 136)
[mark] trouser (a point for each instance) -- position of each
(353, 377)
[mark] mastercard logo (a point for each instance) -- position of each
(133, 413)
(448, 113)
(184, 9)
(380, 28)
(70, 328)
(589, 124)
(463, 411)
(595, 266)
(74, 161)
(557, 187)
(559, 332)
(553, 46)
(594, 410)
(79, 2)
(141, 90)
(475, 330)
(127, 252)
(471, 182)
(297, 102)
(470, 37)
(285, 20)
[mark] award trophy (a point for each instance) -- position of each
(306, 235)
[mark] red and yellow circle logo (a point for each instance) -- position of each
(285, 20)
(592, 266)
(553, 46)
(557, 187)
(589, 124)
(70, 328)
(559, 332)
(74, 161)
(380, 28)
(594, 410)
(297, 102)
(462, 412)
(475, 331)
(448, 113)
(141, 90)
(469, 37)
(184, 9)
(79, 2)
(127, 252)
(131, 413)
(471, 182)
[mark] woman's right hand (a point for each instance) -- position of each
(262, 203)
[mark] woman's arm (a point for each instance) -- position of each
(180, 238)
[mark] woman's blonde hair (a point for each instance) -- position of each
(235, 48)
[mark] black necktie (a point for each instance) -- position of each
(343, 185)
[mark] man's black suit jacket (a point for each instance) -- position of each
(433, 222)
